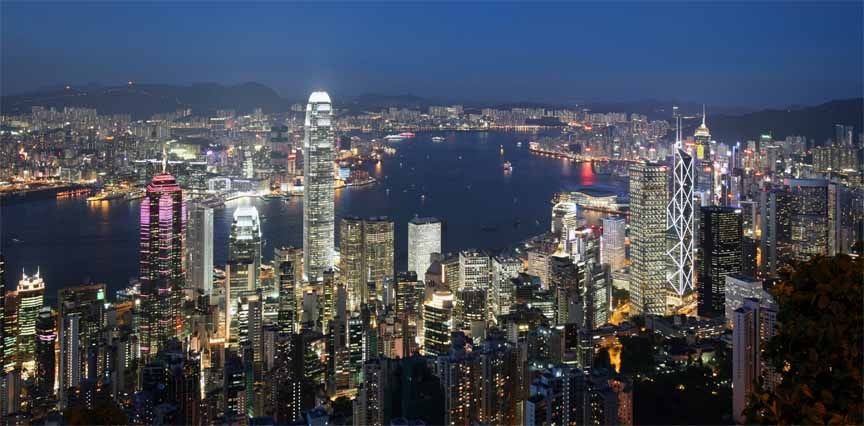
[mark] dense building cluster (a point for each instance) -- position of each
(335, 332)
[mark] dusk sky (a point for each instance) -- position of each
(776, 53)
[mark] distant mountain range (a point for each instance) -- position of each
(143, 100)
(815, 122)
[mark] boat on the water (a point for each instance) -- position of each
(508, 167)
(400, 137)
(106, 196)
(438, 139)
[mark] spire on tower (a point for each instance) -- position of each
(702, 131)
(164, 158)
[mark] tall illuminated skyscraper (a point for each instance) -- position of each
(80, 317)
(437, 323)
(367, 259)
(680, 222)
(200, 255)
(287, 263)
(162, 241)
(351, 259)
(318, 204)
(424, 238)
(703, 168)
(378, 239)
(244, 264)
(648, 238)
(31, 292)
(612, 250)
(473, 270)
(244, 252)
(70, 367)
(10, 329)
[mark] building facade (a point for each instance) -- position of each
(648, 183)
(318, 188)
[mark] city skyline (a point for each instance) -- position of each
(223, 255)
(770, 49)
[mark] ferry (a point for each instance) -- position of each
(106, 196)
(400, 137)
(438, 139)
(136, 195)
(508, 167)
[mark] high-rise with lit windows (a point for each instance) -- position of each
(424, 238)
(318, 188)
(437, 323)
(648, 188)
(162, 247)
(612, 247)
(720, 240)
(244, 255)
(31, 294)
(680, 221)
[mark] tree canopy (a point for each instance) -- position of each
(817, 347)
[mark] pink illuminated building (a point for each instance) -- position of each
(162, 232)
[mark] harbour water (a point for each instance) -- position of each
(460, 180)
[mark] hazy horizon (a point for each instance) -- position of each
(727, 54)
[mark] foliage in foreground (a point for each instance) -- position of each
(817, 348)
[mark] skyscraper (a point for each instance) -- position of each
(741, 287)
(648, 238)
(503, 270)
(46, 337)
(244, 253)
(367, 258)
(754, 325)
(31, 292)
(351, 259)
(703, 165)
(288, 262)
(720, 238)
(318, 204)
(10, 328)
(2, 310)
(70, 355)
(612, 250)
(378, 239)
(812, 218)
(437, 323)
(200, 241)
(775, 208)
(473, 270)
(680, 222)
(424, 238)
(162, 233)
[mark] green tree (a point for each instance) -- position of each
(817, 348)
(637, 354)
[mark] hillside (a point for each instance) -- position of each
(815, 122)
(144, 100)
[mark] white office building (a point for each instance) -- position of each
(424, 238)
(318, 189)
(612, 247)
